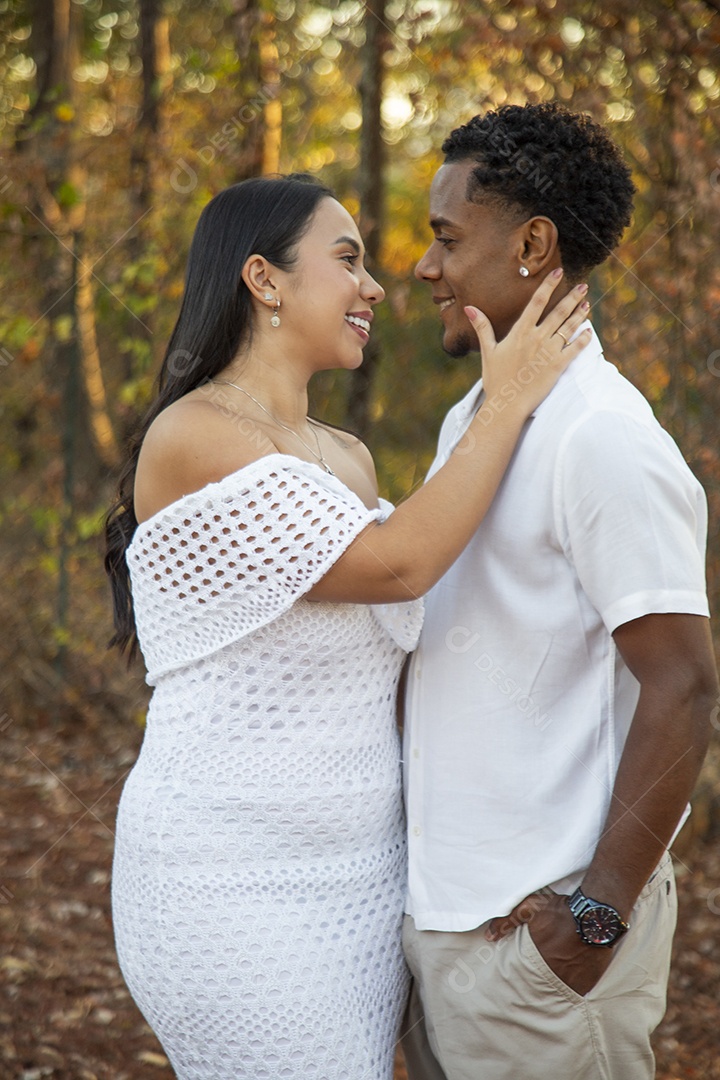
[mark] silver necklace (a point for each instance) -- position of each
(318, 454)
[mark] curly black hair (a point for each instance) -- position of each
(544, 159)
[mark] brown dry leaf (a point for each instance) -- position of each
(12, 964)
(150, 1058)
(67, 1018)
(50, 1053)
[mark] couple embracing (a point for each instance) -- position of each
(270, 889)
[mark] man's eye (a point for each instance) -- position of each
(445, 240)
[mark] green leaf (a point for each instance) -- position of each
(68, 195)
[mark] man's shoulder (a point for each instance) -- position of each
(607, 388)
(598, 394)
(611, 401)
(617, 437)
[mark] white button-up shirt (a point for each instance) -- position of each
(518, 703)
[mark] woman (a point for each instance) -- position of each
(259, 870)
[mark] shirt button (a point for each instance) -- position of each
(418, 671)
(417, 830)
(416, 753)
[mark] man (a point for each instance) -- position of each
(558, 706)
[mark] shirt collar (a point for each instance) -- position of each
(592, 351)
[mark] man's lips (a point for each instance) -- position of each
(444, 302)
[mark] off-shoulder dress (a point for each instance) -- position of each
(259, 871)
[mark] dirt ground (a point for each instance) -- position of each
(64, 1009)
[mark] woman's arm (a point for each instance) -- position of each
(403, 557)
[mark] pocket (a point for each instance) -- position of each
(558, 1025)
(534, 958)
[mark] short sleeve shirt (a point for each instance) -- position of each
(518, 702)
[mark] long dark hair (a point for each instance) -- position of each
(264, 216)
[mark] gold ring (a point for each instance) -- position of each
(560, 334)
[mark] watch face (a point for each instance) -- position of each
(600, 925)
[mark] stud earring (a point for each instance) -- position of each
(275, 321)
(524, 271)
(267, 296)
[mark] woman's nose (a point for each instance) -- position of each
(372, 290)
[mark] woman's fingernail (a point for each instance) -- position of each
(582, 288)
(557, 273)
(585, 306)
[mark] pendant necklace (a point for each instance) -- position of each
(318, 454)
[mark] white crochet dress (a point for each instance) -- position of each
(259, 872)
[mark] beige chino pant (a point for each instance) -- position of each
(483, 1010)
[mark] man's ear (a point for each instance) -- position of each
(260, 276)
(538, 241)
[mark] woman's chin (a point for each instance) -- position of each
(342, 363)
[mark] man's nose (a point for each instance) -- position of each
(427, 269)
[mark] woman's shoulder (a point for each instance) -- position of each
(187, 447)
(197, 417)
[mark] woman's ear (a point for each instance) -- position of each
(539, 242)
(260, 277)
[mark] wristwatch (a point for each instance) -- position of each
(597, 923)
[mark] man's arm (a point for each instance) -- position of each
(671, 656)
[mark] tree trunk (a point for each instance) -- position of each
(146, 148)
(370, 192)
(256, 151)
(56, 184)
(676, 202)
(51, 44)
(94, 383)
(155, 56)
(272, 110)
(56, 181)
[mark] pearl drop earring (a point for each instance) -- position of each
(524, 271)
(275, 321)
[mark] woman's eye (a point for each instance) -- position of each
(352, 259)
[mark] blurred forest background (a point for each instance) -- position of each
(120, 119)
